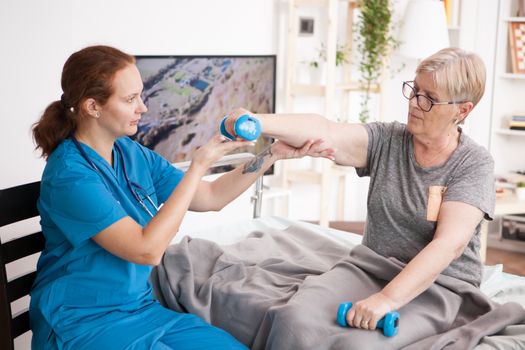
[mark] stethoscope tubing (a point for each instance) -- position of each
(129, 183)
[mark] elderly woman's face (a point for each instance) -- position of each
(439, 119)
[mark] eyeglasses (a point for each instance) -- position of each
(424, 102)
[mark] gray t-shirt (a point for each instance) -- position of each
(404, 198)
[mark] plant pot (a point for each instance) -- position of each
(317, 75)
(520, 193)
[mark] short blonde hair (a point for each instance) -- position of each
(460, 73)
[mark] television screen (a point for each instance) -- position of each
(187, 97)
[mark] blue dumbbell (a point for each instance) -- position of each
(389, 323)
(246, 127)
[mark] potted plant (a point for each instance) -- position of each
(520, 190)
(316, 66)
(374, 43)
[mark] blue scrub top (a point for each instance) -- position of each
(79, 284)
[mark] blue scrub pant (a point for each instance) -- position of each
(195, 334)
(153, 327)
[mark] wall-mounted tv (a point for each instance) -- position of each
(187, 96)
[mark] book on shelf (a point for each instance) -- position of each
(516, 121)
(518, 118)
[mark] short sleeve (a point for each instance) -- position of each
(79, 204)
(165, 176)
(379, 135)
(473, 183)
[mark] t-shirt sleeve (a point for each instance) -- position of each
(165, 176)
(379, 135)
(473, 183)
(79, 204)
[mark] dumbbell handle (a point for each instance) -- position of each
(389, 323)
(246, 126)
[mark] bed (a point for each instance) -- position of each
(275, 283)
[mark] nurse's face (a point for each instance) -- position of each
(121, 113)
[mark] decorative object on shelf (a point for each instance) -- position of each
(374, 42)
(424, 30)
(315, 66)
(452, 9)
(517, 46)
(520, 190)
(521, 8)
(517, 122)
(306, 26)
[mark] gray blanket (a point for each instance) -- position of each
(281, 290)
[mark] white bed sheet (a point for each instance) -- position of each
(498, 285)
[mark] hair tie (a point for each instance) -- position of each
(63, 102)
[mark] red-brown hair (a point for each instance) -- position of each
(87, 73)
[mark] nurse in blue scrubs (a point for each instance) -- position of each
(99, 207)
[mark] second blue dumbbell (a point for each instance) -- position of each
(389, 323)
(247, 127)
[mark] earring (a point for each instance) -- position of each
(97, 115)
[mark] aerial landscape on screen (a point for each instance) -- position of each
(188, 96)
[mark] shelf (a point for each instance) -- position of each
(510, 132)
(508, 205)
(495, 241)
(304, 176)
(512, 76)
(317, 2)
(514, 19)
(342, 169)
(319, 90)
(275, 192)
(310, 3)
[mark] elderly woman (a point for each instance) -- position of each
(431, 185)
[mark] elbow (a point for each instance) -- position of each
(459, 251)
(218, 207)
(448, 250)
(151, 259)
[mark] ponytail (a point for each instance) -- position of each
(56, 124)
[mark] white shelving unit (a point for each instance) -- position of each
(322, 172)
(506, 145)
(507, 99)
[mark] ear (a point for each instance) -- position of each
(464, 110)
(91, 107)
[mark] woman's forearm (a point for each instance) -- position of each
(159, 232)
(420, 272)
(229, 186)
(295, 129)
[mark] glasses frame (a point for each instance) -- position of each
(418, 96)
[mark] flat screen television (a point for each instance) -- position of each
(187, 97)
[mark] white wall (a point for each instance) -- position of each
(36, 37)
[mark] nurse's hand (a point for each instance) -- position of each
(367, 312)
(215, 149)
(312, 148)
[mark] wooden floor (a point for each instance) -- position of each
(512, 262)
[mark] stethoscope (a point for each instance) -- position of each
(128, 181)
